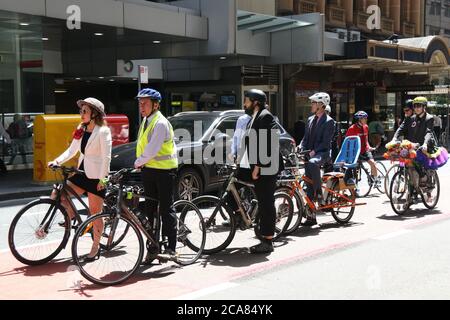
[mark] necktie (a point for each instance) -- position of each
(146, 124)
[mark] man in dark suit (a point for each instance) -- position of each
(318, 137)
(299, 129)
(261, 161)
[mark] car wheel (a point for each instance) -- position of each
(190, 184)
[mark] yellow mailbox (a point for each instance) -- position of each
(52, 136)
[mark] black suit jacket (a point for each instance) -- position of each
(259, 147)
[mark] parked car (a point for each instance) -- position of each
(195, 179)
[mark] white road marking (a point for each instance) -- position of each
(392, 234)
(206, 291)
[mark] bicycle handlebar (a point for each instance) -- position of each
(66, 170)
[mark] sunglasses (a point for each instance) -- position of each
(418, 106)
(83, 111)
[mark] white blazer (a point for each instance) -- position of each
(97, 154)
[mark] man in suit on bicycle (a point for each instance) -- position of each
(318, 137)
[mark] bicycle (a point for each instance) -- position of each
(115, 264)
(337, 195)
(33, 237)
(365, 181)
(407, 185)
(221, 222)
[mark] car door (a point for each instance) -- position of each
(226, 124)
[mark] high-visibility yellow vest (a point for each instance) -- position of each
(166, 158)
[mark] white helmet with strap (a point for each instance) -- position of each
(322, 97)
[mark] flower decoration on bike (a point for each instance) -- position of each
(403, 152)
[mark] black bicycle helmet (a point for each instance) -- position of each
(257, 95)
(409, 104)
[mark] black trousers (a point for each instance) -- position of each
(158, 184)
(265, 194)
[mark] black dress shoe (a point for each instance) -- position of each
(309, 223)
(151, 256)
(265, 246)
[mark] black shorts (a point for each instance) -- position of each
(89, 185)
(366, 156)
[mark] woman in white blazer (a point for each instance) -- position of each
(93, 140)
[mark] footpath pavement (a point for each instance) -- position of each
(19, 184)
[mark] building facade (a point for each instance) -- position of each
(437, 18)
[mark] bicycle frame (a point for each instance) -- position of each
(64, 189)
(295, 185)
(231, 187)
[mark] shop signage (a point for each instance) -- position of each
(410, 88)
(358, 84)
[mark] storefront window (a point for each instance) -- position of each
(21, 84)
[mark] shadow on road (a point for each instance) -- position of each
(412, 214)
(303, 232)
(48, 269)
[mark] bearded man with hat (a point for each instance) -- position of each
(92, 139)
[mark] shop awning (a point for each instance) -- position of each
(417, 56)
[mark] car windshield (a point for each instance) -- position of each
(189, 123)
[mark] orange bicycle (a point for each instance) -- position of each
(338, 198)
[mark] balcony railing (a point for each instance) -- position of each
(409, 29)
(305, 6)
(336, 16)
(387, 26)
(360, 20)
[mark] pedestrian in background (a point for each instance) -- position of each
(18, 132)
(7, 140)
(376, 131)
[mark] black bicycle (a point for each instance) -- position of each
(364, 180)
(41, 229)
(409, 187)
(116, 263)
(221, 222)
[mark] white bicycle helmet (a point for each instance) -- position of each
(321, 97)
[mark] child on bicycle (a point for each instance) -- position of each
(361, 130)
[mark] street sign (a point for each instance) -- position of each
(143, 74)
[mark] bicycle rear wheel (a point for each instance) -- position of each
(364, 182)
(34, 236)
(220, 223)
(430, 194)
(343, 212)
(191, 233)
(284, 208)
(114, 264)
(381, 169)
(400, 192)
(388, 178)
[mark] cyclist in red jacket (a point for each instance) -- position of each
(361, 130)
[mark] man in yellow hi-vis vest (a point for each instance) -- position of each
(156, 154)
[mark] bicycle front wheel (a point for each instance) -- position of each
(343, 203)
(400, 192)
(191, 232)
(220, 223)
(114, 264)
(299, 209)
(34, 236)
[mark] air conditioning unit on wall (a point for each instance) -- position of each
(354, 36)
(342, 34)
